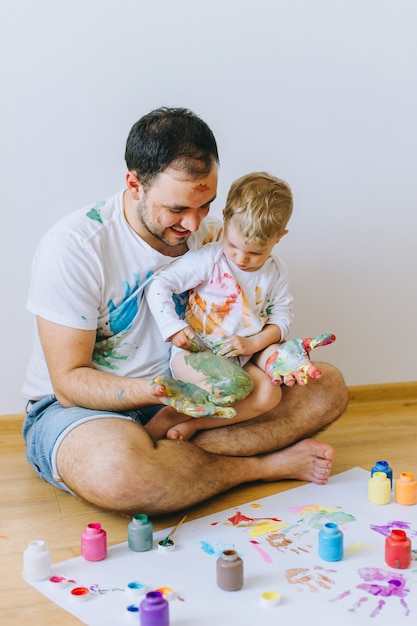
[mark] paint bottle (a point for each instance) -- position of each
(229, 571)
(139, 533)
(37, 561)
(154, 610)
(331, 542)
(406, 489)
(398, 549)
(382, 466)
(94, 542)
(379, 488)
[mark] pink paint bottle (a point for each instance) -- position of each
(94, 543)
(230, 571)
(406, 489)
(398, 549)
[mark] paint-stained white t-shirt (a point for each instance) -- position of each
(89, 272)
(223, 299)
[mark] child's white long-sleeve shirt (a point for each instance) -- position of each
(223, 300)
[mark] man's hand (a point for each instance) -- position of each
(189, 399)
(291, 364)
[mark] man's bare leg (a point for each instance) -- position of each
(303, 412)
(113, 464)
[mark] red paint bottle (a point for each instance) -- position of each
(398, 549)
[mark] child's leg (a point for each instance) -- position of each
(184, 430)
(182, 370)
(263, 397)
(168, 418)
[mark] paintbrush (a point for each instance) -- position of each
(168, 537)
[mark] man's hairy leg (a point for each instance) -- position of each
(303, 412)
(113, 464)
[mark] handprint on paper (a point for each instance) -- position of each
(380, 584)
(312, 579)
(282, 543)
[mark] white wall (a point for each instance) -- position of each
(322, 93)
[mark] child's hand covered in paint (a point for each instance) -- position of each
(291, 364)
(235, 346)
(189, 399)
(186, 339)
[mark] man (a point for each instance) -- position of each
(89, 382)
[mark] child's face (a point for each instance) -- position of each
(248, 256)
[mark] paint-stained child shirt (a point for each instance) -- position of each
(89, 272)
(223, 299)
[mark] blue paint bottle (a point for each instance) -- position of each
(331, 542)
(382, 466)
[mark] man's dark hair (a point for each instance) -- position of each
(170, 137)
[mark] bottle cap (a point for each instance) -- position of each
(270, 599)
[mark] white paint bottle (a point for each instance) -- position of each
(37, 561)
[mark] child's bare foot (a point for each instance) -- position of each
(307, 460)
(164, 421)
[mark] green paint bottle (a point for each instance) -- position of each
(140, 533)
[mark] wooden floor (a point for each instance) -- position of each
(381, 427)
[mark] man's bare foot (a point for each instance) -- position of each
(183, 431)
(163, 421)
(307, 460)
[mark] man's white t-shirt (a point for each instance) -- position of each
(89, 272)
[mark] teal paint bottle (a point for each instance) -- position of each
(140, 533)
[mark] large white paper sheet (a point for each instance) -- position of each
(277, 538)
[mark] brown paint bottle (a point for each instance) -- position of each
(230, 571)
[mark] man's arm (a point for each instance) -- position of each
(68, 353)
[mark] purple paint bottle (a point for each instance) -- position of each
(154, 610)
(94, 542)
(229, 568)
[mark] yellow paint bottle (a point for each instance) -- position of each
(379, 488)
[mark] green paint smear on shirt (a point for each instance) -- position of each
(105, 352)
(95, 214)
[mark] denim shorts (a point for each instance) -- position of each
(47, 423)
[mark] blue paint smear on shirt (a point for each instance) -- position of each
(180, 302)
(122, 316)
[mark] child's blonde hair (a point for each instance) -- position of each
(260, 205)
